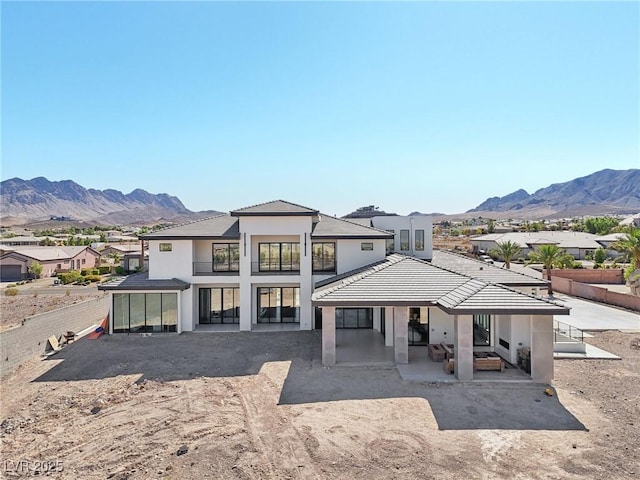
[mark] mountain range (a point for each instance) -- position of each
(40, 200)
(604, 192)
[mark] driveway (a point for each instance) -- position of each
(587, 315)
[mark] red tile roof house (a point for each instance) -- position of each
(14, 264)
(282, 266)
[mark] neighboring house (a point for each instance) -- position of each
(607, 241)
(131, 262)
(281, 265)
(121, 239)
(121, 249)
(23, 241)
(578, 244)
(633, 220)
(14, 265)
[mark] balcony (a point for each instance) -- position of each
(260, 268)
(206, 268)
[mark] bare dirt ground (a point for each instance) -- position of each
(260, 405)
(460, 244)
(35, 298)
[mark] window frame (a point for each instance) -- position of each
(366, 246)
(482, 321)
(233, 262)
(327, 260)
(405, 241)
(268, 264)
(419, 244)
(165, 247)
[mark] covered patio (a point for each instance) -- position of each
(513, 321)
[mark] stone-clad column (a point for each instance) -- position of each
(542, 348)
(328, 335)
(463, 347)
(401, 334)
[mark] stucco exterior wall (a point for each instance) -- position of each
(178, 263)
(349, 254)
(411, 223)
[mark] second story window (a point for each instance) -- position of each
(324, 256)
(404, 240)
(279, 257)
(390, 242)
(419, 240)
(226, 257)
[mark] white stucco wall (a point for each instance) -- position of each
(440, 326)
(349, 254)
(411, 223)
(178, 263)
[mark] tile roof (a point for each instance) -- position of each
(274, 208)
(220, 226)
(525, 239)
(402, 280)
(44, 254)
(332, 227)
(140, 281)
(484, 271)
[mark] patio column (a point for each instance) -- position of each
(401, 334)
(463, 347)
(328, 335)
(542, 348)
(388, 326)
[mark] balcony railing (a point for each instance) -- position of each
(206, 268)
(260, 268)
(563, 332)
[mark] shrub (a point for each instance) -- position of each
(104, 269)
(11, 285)
(120, 270)
(85, 271)
(95, 271)
(69, 277)
(11, 292)
(600, 255)
(93, 278)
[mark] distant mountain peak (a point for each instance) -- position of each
(40, 199)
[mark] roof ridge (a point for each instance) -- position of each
(484, 264)
(274, 201)
(478, 285)
(353, 223)
(367, 270)
(186, 223)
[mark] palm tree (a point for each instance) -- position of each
(549, 256)
(630, 246)
(507, 250)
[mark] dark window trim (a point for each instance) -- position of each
(230, 264)
(419, 244)
(235, 318)
(281, 318)
(366, 246)
(279, 268)
(404, 244)
(482, 324)
(163, 328)
(328, 265)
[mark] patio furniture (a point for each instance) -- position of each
(448, 349)
(436, 352)
(487, 361)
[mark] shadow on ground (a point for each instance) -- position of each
(182, 357)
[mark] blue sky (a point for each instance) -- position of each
(430, 106)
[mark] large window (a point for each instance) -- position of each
(145, 312)
(419, 243)
(226, 257)
(390, 243)
(278, 305)
(482, 330)
(354, 318)
(279, 257)
(324, 257)
(219, 305)
(404, 240)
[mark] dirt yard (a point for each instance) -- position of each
(260, 405)
(34, 300)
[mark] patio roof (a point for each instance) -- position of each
(484, 271)
(140, 281)
(407, 281)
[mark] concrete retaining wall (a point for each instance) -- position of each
(29, 339)
(597, 294)
(611, 276)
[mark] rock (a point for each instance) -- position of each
(182, 450)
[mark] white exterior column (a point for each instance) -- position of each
(328, 335)
(401, 334)
(542, 348)
(388, 326)
(463, 346)
(376, 319)
(306, 283)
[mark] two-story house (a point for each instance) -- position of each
(279, 265)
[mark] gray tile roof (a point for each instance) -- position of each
(561, 238)
(274, 208)
(332, 227)
(44, 254)
(220, 226)
(140, 281)
(404, 281)
(484, 271)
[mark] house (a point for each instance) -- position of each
(578, 244)
(14, 264)
(279, 265)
